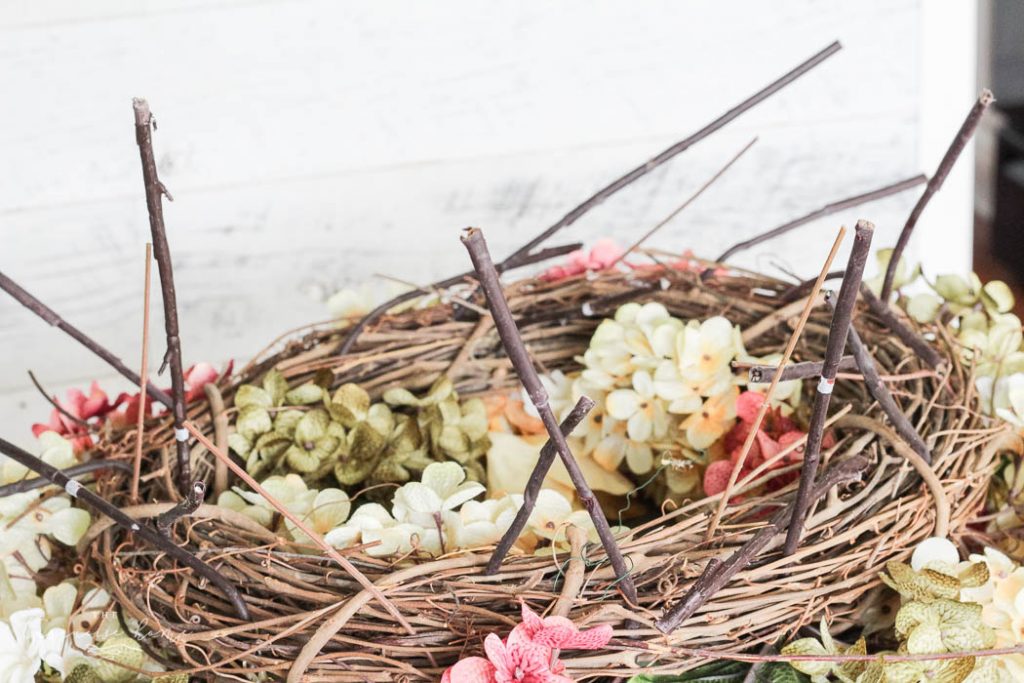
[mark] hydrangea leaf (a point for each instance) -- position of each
(252, 396)
(304, 395)
(253, 421)
(349, 405)
(275, 385)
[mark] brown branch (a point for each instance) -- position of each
(762, 374)
(508, 264)
(715, 577)
(839, 330)
(72, 472)
(50, 316)
(827, 210)
(186, 506)
(533, 485)
(91, 500)
(487, 274)
(800, 290)
(925, 351)
(140, 426)
(690, 200)
(52, 400)
(963, 136)
(154, 205)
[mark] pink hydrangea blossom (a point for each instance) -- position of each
(530, 653)
(602, 255)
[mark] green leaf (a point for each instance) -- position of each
(781, 672)
(249, 395)
(275, 385)
(304, 395)
(722, 671)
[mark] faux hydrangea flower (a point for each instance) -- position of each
(704, 353)
(24, 648)
(602, 255)
(442, 488)
(713, 420)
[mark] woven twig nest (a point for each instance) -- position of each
(310, 621)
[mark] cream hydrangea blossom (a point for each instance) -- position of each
(704, 353)
(641, 407)
(372, 524)
(290, 490)
(55, 450)
(481, 523)
(443, 487)
(1002, 607)
(24, 648)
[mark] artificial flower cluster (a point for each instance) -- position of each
(529, 654)
(310, 431)
(432, 516)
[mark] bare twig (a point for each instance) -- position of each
(50, 316)
(473, 239)
(533, 485)
(140, 425)
(842, 317)
(155, 192)
(186, 506)
(887, 315)
(90, 499)
(52, 400)
(72, 472)
(827, 210)
(690, 200)
(963, 136)
(704, 588)
(762, 374)
(762, 411)
(220, 435)
(317, 539)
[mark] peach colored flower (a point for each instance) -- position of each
(602, 255)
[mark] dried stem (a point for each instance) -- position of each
(762, 374)
(533, 485)
(220, 435)
(72, 472)
(186, 506)
(140, 425)
(690, 200)
(50, 316)
(52, 400)
(763, 410)
(963, 136)
(827, 210)
(317, 539)
(876, 387)
(487, 274)
(715, 577)
(91, 500)
(887, 315)
(155, 191)
(839, 330)
(507, 264)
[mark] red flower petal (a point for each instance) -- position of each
(716, 477)
(747, 405)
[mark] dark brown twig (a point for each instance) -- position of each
(963, 136)
(690, 200)
(719, 575)
(801, 289)
(154, 205)
(762, 374)
(186, 506)
(473, 239)
(533, 485)
(508, 264)
(50, 316)
(91, 500)
(827, 210)
(925, 351)
(842, 317)
(72, 472)
(52, 400)
(679, 147)
(876, 387)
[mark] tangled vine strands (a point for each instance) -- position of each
(91, 500)
(512, 341)
(839, 330)
(155, 192)
(522, 255)
(963, 136)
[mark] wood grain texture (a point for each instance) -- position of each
(311, 144)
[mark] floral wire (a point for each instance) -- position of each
(638, 489)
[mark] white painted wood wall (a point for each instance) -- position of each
(312, 144)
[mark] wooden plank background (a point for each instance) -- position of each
(310, 145)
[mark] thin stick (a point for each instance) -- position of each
(681, 146)
(90, 499)
(473, 239)
(827, 210)
(186, 506)
(220, 434)
(507, 264)
(50, 316)
(533, 485)
(155, 191)
(907, 335)
(317, 539)
(839, 330)
(52, 400)
(762, 374)
(876, 387)
(72, 472)
(690, 200)
(763, 410)
(963, 136)
(712, 581)
(140, 425)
